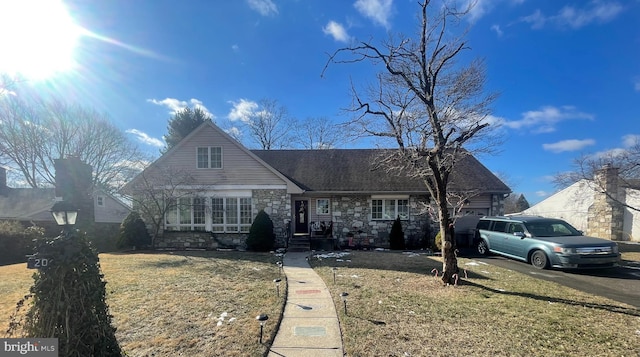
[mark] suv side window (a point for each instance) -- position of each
(499, 226)
(515, 228)
(482, 224)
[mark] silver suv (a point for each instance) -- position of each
(544, 242)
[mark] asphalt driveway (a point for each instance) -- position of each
(621, 284)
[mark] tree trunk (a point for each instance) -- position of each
(449, 259)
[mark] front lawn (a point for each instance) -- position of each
(397, 307)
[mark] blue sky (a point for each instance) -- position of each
(568, 72)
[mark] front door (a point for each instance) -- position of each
(301, 217)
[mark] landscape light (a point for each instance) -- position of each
(343, 296)
(277, 282)
(262, 319)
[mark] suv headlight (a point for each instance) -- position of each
(564, 250)
(615, 249)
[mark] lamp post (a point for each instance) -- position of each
(277, 282)
(262, 319)
(65, 215)
(343, 296)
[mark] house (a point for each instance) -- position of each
(214, 187)
(588, 206)
(33, 206)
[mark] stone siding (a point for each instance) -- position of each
(352, 216)
(277, 204)
(605, 217)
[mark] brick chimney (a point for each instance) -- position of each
(606, 215)
(74, 184)
(3, 182)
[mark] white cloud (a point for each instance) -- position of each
(636, 84)
(631, 140)
(568, 145)
(537, 20)
(542, 193)
(235, 48)
(264, 7)
(480, 8)
(337, 31)
(597, 11)
(377, 10)
(145, 138)
(497, 29)
(242, 110)
(545, 119)
(176, 105)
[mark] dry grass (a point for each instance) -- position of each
(397, 307)
(187, 303)
(205, 303)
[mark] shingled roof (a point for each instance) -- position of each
(354, 170)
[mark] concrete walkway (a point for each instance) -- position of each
(310, 324)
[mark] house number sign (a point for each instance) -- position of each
(37, 263)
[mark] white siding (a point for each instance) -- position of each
(238, 167)
(571, 204)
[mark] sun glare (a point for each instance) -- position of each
(37, 38)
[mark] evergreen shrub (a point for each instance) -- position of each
(396, 236)
(261, 237)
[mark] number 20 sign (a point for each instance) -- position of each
(37, 263)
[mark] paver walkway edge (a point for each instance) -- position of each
(310, 325)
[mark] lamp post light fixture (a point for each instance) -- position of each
(279, 264)
(65, 214)
(262, 319)
(343, 296)
(277, 282)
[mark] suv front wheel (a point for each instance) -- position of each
(539, 260)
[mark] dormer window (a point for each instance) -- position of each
(209, 157)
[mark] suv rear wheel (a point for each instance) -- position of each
(482, 247)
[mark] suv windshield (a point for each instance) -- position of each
(551, 229)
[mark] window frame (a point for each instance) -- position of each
(389, 208)
(240, 211)
(210, 157)
(320, 210)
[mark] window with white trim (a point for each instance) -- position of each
(100, 201)
(322, 206)
(209, 157)
(231, 214)
(389, 209)
(186, 214)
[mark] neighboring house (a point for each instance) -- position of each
(33, 206)
(588, 208)
(338, 193)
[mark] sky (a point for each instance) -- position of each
(568, 72)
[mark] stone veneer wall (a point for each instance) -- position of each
(276, 203)
(352, 214)
(605, 217)
(497, 205)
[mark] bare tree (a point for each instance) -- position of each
(270, 125)
(585, 167)
(34, 132)
(156, 191)
(427, 104)
(318, 133)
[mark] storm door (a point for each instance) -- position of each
(301, 216)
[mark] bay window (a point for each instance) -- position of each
(216, 214)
